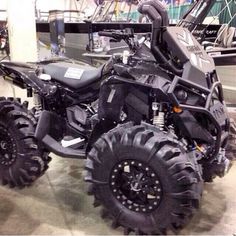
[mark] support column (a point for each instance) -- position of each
(57, 32)
(22, 30)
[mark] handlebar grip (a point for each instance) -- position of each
(106, 34)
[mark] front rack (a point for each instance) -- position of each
(206, 109)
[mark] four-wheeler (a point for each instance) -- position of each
(152, 125)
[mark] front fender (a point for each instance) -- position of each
(111, 99)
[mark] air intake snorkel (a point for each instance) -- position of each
(155, 10)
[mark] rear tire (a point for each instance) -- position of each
(173, 187)
(22, 160)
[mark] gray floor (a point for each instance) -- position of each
(57, 203)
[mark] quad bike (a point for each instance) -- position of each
(152, 125)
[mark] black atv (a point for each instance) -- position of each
(158, 130)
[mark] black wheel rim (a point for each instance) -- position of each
(7, 148)
(136, 186)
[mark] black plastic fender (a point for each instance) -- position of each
(190, 127)
(111, 99)
(24, 76)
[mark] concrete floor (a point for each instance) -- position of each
(58, 205)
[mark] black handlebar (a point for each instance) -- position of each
(106, 34)
(118, 34)
(127, 35)
(158, 14)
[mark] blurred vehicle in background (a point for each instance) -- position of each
(4, 42)
(213, 23)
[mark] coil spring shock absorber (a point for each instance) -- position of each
(37, 104)
(158, 115)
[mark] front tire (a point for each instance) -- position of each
(145, 179)
(22, 160)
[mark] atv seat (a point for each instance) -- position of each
(73, 75)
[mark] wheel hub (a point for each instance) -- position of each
(7, 148)
(136, 186)
(3, 145)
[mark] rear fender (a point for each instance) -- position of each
(24, 76)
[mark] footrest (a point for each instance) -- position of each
(50, 131)
(57, 148)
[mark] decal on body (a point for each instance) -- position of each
(74, 73)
